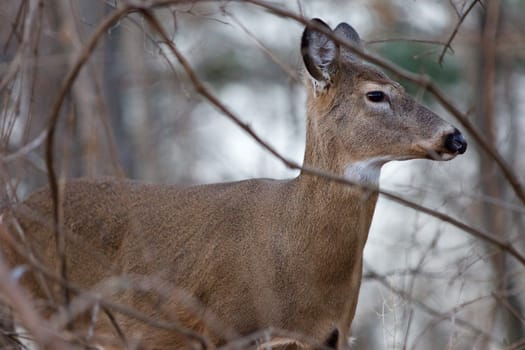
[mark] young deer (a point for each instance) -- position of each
(228, 259)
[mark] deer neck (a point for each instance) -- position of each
(340, 212)
(330, 228)
(342, 208)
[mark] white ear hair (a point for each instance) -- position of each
(318, 85)
(323, 51)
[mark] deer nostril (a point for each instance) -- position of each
(455, 142)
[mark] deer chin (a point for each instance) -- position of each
(440, 155)
(366, 171)
(446, 156)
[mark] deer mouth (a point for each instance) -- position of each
(433, 153)
(441, 156)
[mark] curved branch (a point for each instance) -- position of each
(53, 120)
(421, 80)
(202, 90)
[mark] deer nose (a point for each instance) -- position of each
(455, 142)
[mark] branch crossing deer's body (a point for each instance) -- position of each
(229, 259)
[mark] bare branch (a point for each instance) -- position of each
(417, 41)
(456, 28)
(427, 309)
(201, 89)
(420, 80)
(26, 149)
(86, 298)
(19, 300)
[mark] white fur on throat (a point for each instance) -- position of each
(366, 171)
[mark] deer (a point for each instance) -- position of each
(228, 259)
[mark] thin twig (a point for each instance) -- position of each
(517, 345)
(456, 29)
(427, 309)
(15, 64)
(26, 149)
(287, 337)
(14, 25)
(115, 325)
(504, 301)
(267, 51)
(418, 41)
(419, 266)
(26, 311)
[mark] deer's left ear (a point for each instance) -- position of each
(320, 54)
(346, 32)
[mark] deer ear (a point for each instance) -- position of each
(348, 33)
(319, 53)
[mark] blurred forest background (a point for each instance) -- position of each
(133, 112)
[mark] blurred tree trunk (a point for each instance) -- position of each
(140, 81)
(495, 217)
(114, 96)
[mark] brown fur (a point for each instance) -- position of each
(246, 255)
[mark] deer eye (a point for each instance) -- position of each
(376, 96)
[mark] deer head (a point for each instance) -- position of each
(358, 118)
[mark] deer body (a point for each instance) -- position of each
(258, 253)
